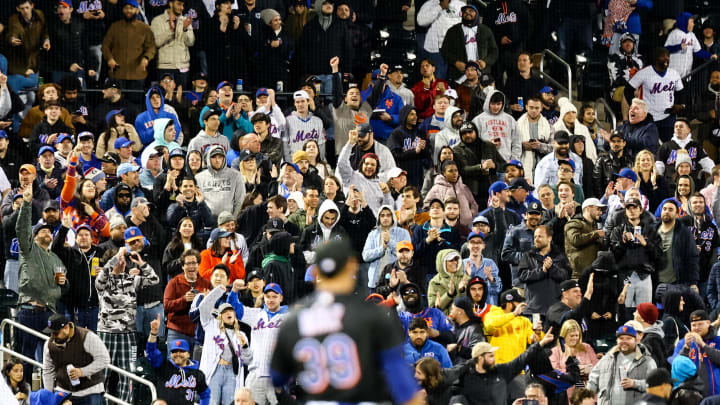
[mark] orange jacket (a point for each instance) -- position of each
(97, 222)
(208, 261)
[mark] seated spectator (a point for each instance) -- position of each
(380, 245)
(12, 373)
(419, 346)
(51, 173)
(220, 252)
(549, 106)
(47, 131)
(450, 185)
(573, 346)
(190, 202)
(598, 134)
(48, 92)
(439, 326)
(155, 108)
(449, 280)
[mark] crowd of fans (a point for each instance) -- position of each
(529, 251)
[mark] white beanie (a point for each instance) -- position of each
(268, 14)
(566, 106)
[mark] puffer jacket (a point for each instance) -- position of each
(443, 190)
(173, 52)
(582, 244)
(439, 284)
(439, 21)
(607, 164)
(374, 251)
(643, 135)
(603, 375)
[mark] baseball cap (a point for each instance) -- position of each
(133, 233)
(85, 134)
(133, 3)
(482, 219)
(568, 285)
(486, 79)
(659, 376)
(123, 142)
(223, 84)
(617, 134)
(568, 162)
(365, 128)
(253, 274)
(51, 205)
(66, 3)
(110, 157)
(274, 225)
(467, 126)
(627, 173)
(404, 244)
(180, 344)
(218, 233)
(511, 295)
(275, 287)
(436, 200)
(199, 76)
(125, 168)
(451, 93)
(626, 330)
(520, 182)
(40, 226)
(61, 138)
(534, 208)
(462, 9)
(29, 168)
(395, 172)
(632, 202)
(483, 347)
(294, 166)
(113, 113)
(395, 68)
(699, 315)
(473, 235)
(301, 94)
(138, 201)
(592, 202)
(548, 89)
(111, 83)
(225, 217)
(561, 137)
(332, 256)
(262, 91)
(177, 152)
(55, 323)
(514, 162)
(45, 149)
(224, 307)
(497, 187)
(210, 112)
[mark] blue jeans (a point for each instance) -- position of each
(87, 318)
(29, 345)
(441, 66)
(92, 399)
(222, 385)
(146, 315)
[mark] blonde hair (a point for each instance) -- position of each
(639, 155)
(569, 326)
(221, 324)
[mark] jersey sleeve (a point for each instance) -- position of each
(678, 82)
(637, 80)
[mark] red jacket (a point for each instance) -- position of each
(425, 98)
(208, 261)
(176, 307)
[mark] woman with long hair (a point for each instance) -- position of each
(185, 238)
(651, 184)
(434, 380)
(678, 303)
(225, 348)
(80, 202)
(193, 163)
(115, 128)
(313, 152)
(247, 165)
(14, 377)
(570, 344)
(220, 251)
(332, 190)
(445, 153)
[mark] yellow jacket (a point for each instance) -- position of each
(511, 334)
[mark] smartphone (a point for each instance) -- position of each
(194, 291)
(529, 402)
(536, 321)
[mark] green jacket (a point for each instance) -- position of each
(439, 283)
(37, 266)
(582, 243)
(298, 218)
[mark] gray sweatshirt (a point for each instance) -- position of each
(499, 129)
(224, 189)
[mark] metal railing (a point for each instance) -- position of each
(546, 76)
(696, 81)
(14, 324)
(608, 112)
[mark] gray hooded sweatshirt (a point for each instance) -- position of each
(449, 136)
(224, 189)
(499, 129)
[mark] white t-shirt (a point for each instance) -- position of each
(470, 34)
(657, 90)
(682, 60)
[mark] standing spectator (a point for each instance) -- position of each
(179, 294)
(684, 45)
(428, 88)
(67, 35)
(222, 186)
(128, 48)
(568, 122)
(478, 162)
(190, 202)
(707, 111)
(542, 269)
(471, 91)
(657, 85)
(324, 38)
(220, 251)
(699, 345)
(302, 126)
(432, 237)
(705, 231)
(396, 85)
(211, 134)
(468, 329)
(364, 144)
(509, 21)
(27, 35)
(576, 28)
(449, 135)
(382, 243)
(174, 34)
(519, 239)
(668, 155)
(509, 329)
(572, 305)
(522, 85)
(619, 377)
(440, 15)
(583, 240)
(276, 49)
(42, 279)
(481, 266)
(622, 66)
(611, 162)
(112, 100)
(345, 108)
(680, 264)
(653, 335)
(499, 127)
(483, 50)
(74, 353)
(321, 232)
(535, 134)
(388, 105)
(155, 109)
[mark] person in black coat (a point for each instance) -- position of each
(277, 268)
(275, 50)
(410, 146)
(607, 285)
(226, 43)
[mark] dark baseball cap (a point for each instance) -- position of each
(617, 134)
(51, 205)
(210, 112)
(110, 157)
(520, 182)
(534, 208)
(699, 315)
(511, 295)
(253, 274)
(632, 202)
(568, 285)
(274, 225)
(111, 83)
(55, 323)
(659, 376)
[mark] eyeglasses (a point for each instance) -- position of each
(565, 170)
(410, 291)
(123, 195)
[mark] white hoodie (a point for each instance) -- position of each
(441, 20)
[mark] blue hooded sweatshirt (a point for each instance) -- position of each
(391, 103)
(145, 122)
(228, 125)
(430, 349)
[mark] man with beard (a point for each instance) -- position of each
(395, 83)
(471, 94)
(174, 34)
(385, 117)
(622, 66)
(458, 48)
(70, 353)
(535, 134)
(547, 169)
(113, 100)
(366, 179)
(402, 270)
(484, 382)
(700, 345)
(439, 326)
(178, 376)
(638, 250)
(708, 112)
(117, 235)
(522, 85)
(582, 238)
(365, 143)
(410, 147)
(520, 240)
(26, 175)
(419, 346)
(658, 84)
(619, 377)
(681, 254)
(450, 134)
(478, 162)
(128, 48)
(129, 177)
(508, 329)
(611, 162)
(542, 269)
(706, 235)
(345, 108)
(427, 89)
(549, 110)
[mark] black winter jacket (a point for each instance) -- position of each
(542, 287)
(631, 255)
(402, 144)
(684, 255)
(81, 276)
(469, 158)
(607, 164)
(318, 46)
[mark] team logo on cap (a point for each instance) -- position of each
(509, 297)
(624, 328)
(177, 343)
(327, 265)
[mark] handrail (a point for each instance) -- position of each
(8, 321)
(609, 111)
(699, 68)
(562, 62)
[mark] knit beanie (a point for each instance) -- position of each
(268, 14)
(648, 312)
(682, 369)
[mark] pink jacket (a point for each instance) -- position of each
(558, 358)
(442, 189)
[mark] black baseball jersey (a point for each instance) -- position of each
(338, 347)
